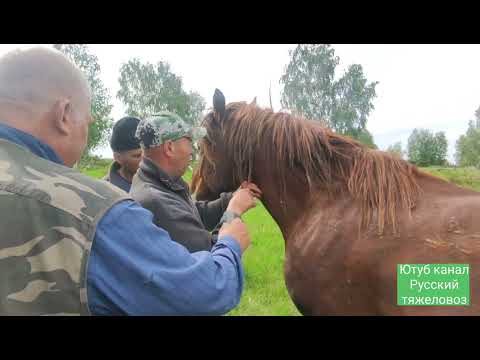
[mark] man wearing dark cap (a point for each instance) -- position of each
(126, 153)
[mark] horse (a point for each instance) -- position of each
(348, 214)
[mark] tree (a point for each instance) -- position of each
(310, 89)
(426, 149)
(366, 138)
(468, 145)
(146, 89)
(440, 149)
(194, 110)
(477, 118)
(99, 130)
(396, 149)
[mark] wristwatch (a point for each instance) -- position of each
(228, 216)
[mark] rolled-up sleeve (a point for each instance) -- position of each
(136, 269)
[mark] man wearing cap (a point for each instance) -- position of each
(126, 153)
(166, 140)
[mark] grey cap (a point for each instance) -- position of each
(164, 126)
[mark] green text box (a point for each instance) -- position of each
(433, 284)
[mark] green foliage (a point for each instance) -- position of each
(310, 89)
(396, 149)
(99, 130)
(365, 137)
(468, 145)
(426, 149)
(146, 89)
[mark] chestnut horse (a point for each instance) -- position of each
(348, 214)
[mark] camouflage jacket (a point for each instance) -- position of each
(49, 217)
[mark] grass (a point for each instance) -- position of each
(97, 173)
(96, 168)
(468, 177)
(265, 292)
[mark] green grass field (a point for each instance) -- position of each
(466, 177)
(265, 292)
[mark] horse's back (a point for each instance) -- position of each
(332, 268)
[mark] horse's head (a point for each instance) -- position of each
(220, 169)
(198, 184)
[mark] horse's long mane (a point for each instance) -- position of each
(382, 182)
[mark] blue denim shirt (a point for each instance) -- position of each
(136, 269)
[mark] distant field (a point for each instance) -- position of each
(265, 292)
(466, 177)
(99, 169)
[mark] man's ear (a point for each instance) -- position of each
(117, 157)
(168, 148)
(62, 114)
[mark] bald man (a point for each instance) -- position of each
(74, 245)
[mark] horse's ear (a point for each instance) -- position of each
(254, 101)
(219, 104)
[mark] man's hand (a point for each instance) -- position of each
(253, 189)
(237, 229)
(242, 200)
(245, 198)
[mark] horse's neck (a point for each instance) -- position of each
(285, 207)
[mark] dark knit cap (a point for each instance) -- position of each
(123, 134)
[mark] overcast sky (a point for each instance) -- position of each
(424, 86)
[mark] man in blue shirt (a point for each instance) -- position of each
(134, 267)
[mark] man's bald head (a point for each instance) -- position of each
(46, 95)
(37, 77)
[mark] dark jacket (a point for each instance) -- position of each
(116, 179)
(188, 222)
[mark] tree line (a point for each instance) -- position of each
(310, 87)
(427, 149)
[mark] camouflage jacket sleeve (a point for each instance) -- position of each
(212, 211)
